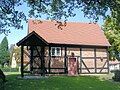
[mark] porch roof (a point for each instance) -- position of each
(32, 39)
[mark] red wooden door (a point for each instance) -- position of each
(72, 66)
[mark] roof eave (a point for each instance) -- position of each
(30, 34)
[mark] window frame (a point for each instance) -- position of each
(56, 54)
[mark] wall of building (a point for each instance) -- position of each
(88, 57)
(91, 60)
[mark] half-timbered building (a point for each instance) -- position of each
(64, 48)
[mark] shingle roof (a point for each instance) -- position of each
(75, 33)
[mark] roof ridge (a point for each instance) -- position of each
(63, 21)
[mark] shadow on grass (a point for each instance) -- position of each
(60, 83)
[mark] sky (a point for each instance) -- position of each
(16, 35)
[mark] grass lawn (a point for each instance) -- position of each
(60, 83)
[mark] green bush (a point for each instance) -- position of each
(9, 69)
(116, 76)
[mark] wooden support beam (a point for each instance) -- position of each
(42, 61)
(103, 66)
(31, 59)
(80, 60)
(77, 66)
(27, 53)
(49, 59)
(65, 60)
(39, 53)
(108, 60)
(22, 60)
(95, 60)
(26, 65)
(85, 66)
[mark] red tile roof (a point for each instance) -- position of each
(114, 62)
(76, 33)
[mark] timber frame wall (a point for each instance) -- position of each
(47, 70)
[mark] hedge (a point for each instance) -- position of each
(8, 69)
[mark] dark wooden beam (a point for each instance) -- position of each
(95, 60)
(22, 61)
(26, 71)
(61, 52)
(39, 53)
(108, 60)
(93, 57)
(94, 68)
(78, 70)
(95, 73)
(76, 46)
(57, 68)
(103, 66)
(49, 58)
(26, 65)
(39, 56)
(57, 73)
(42, 61)
(80, 60)
(31, 59)
(86, 66)
(27, 53)
(65, 60)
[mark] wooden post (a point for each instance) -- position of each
(42, 61)
(22, 60)
(31, 59)
(95, 60)
(65, 61)
(108, 60)
(80, 60)
(49, 59)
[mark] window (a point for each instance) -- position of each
(55, 51)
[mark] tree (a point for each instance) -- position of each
(111, 29)
(53, 9)
(4, 51)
